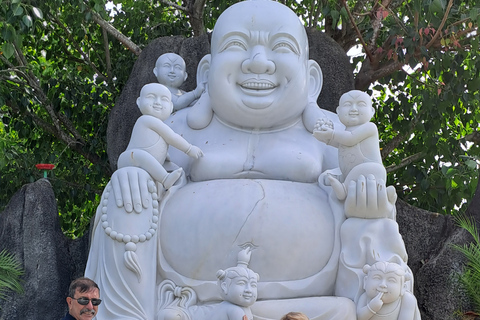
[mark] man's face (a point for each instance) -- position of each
(390, 284)
(355, 109)
(258, 71)
(81, 312)
(170, 70)
(242, 291)
(155, 100)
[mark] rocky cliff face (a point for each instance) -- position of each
(30, 229)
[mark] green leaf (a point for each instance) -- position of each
(335, 15)
(8, 50)
(37, 12)
(27, 20)
(9, 33)
(17, 10)
(471, 164)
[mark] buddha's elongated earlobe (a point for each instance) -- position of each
(200, 115)
(315, 80)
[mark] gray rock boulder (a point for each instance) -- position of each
(435, 264)
(30, 230)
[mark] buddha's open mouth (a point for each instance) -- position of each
(258, 87)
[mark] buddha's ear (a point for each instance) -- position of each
(203, 69)
(200, 115)
(315, 80)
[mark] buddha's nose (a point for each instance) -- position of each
(258, 62)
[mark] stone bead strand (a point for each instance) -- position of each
(131, 240)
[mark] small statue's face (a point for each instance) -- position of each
(258, 72)
(355, 109)
(170, 70)
(155, 101)
(241, 291)
(390, 284)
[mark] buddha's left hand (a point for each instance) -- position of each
(370, 198)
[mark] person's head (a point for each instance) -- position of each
(294, 316)
(355, 108)
(170, 70)
(238, 285)
(83, 299)
(258, 72)
(386, 277)
(155, 100)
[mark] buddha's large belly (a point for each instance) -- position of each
(290, 225)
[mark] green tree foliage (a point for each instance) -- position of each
(58, 85)
(64, 62)
(10, 273)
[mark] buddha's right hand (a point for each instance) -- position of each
(131, 188)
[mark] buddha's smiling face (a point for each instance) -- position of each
(258, 71)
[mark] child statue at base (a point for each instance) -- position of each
(238, 287)
(386, 296)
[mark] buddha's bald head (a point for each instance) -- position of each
(262, 18)
(259, 75)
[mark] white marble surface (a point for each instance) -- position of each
(260, 185)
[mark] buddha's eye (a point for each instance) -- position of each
(234, 44)
(284, 47)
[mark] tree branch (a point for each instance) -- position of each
(114, 32)
(57, 120)
(377, 22)
(197, 16)
(352, 20)
(85, 56)
(107, 55)
(172, 4)
(405, 162)
(440, 28)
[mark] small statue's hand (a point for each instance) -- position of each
(131, 186)
(327, 125)
(369, 198)
(323, 135)
(376, 303)
(323, 124)
(195, 152)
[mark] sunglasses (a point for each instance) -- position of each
(85, 301)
